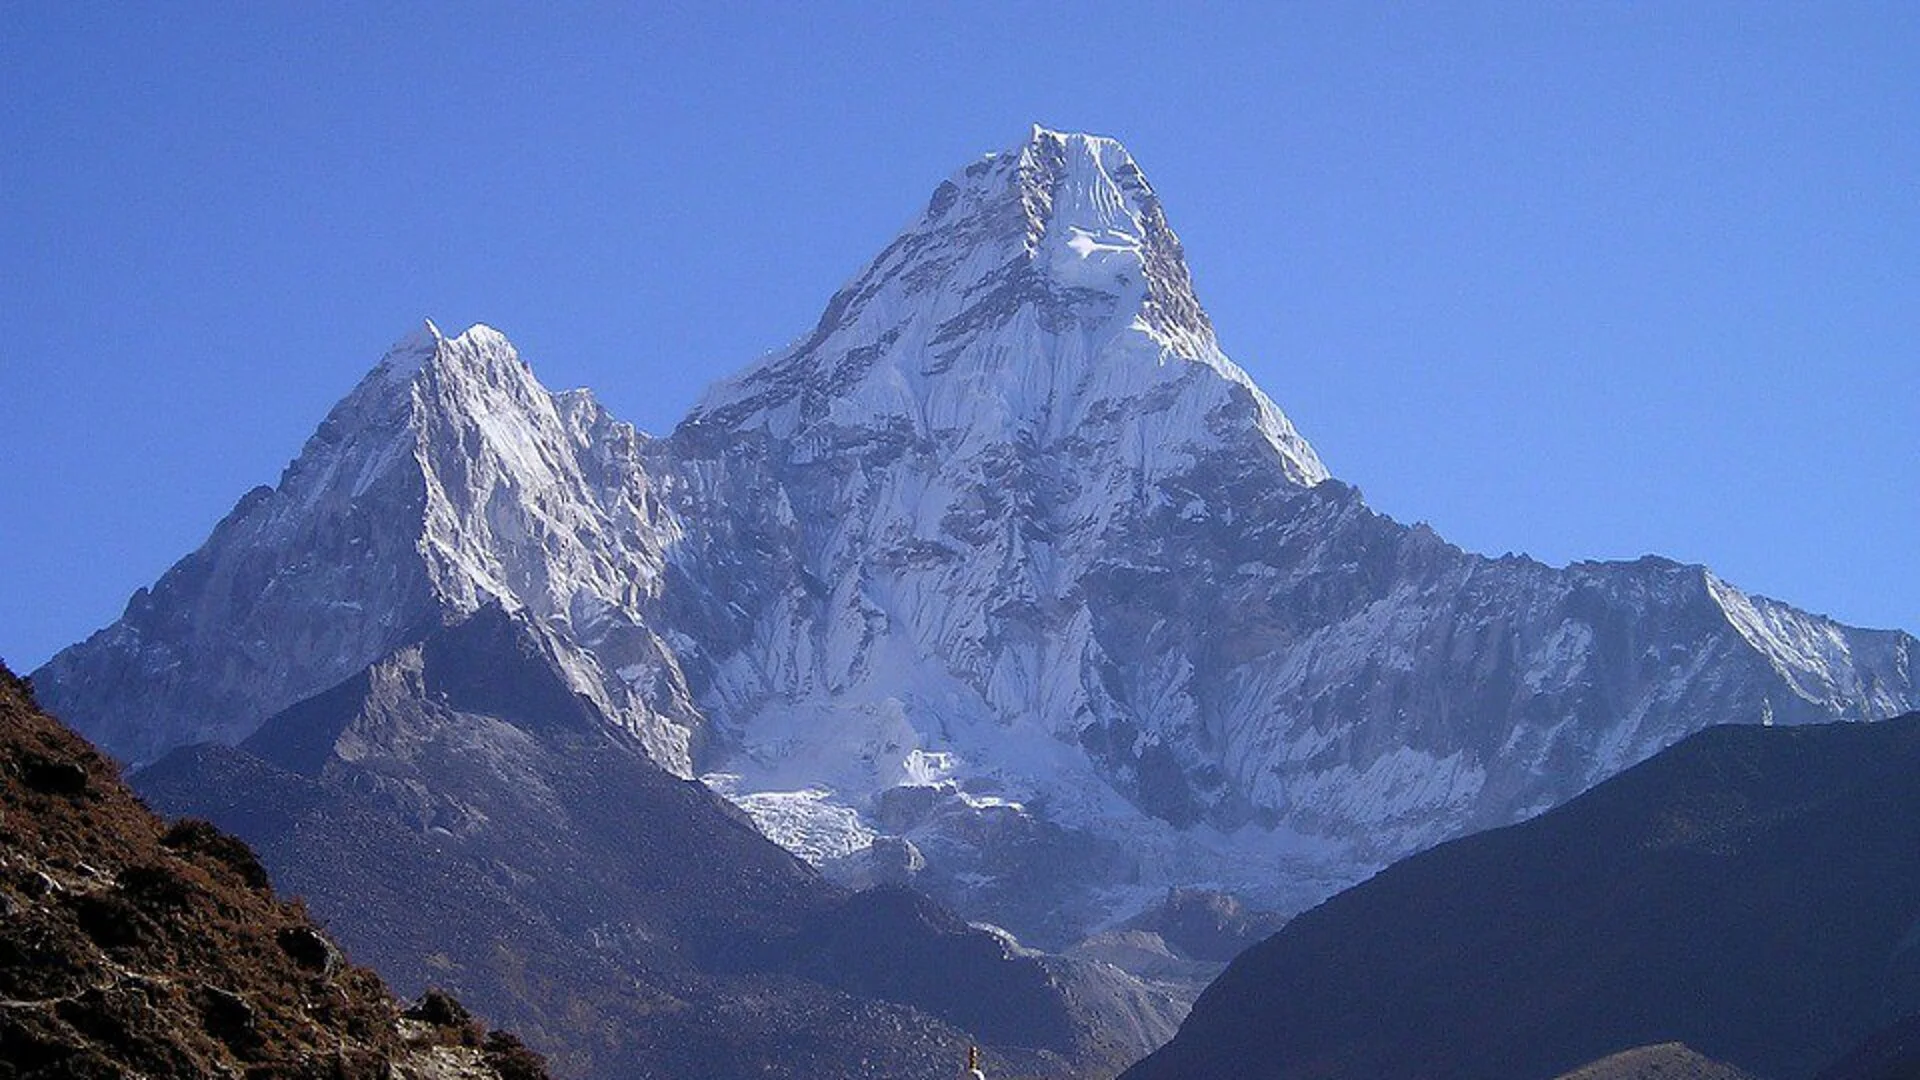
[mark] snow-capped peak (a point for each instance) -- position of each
(1095, 223)
(1004, 563)
(471, 351)
(449, 479)
(406, 356)
(1040, 289)
(423, 338)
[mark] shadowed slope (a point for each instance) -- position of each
(462, 818)
(1752, 892)
(128, 947)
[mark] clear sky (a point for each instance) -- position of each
(1578, 280)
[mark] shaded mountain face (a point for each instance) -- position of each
(462, 817)
(1892, 1053)
(131, 947)
(1003, 581)
(1753, 893)
(1205, 926)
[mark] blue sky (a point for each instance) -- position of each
(1577, 280)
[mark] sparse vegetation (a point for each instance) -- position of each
(194, 836)
(129, 947)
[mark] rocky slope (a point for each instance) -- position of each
(130, 947)
(1003, 580)
(462, 817)
(1753, 893)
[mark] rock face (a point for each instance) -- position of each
(464, 818)
(1005, 564)
(1753, 893)
(130, 947)
(447, 479)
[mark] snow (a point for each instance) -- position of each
(1008, 548)
(405, 358)
(1814, 655)
(1087, 232)
(806, 822)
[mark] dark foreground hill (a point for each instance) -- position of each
(1892, 1053)
(462, 818)
(132, 948)
(1753, 893)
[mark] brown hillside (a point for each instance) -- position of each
(128, 946)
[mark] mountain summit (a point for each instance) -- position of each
(447, 479)
(1003, 581)
(1041, 289)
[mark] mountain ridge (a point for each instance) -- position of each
(1004, 560)
(448, 477)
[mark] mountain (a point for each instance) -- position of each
(1753, 893)
(130, 947)
(447, 479)
(1007, 558)
(1003, 581)
(464, 818)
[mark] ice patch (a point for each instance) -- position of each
(807, 822)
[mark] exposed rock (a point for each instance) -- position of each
(309, 948)
(1207, 925)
